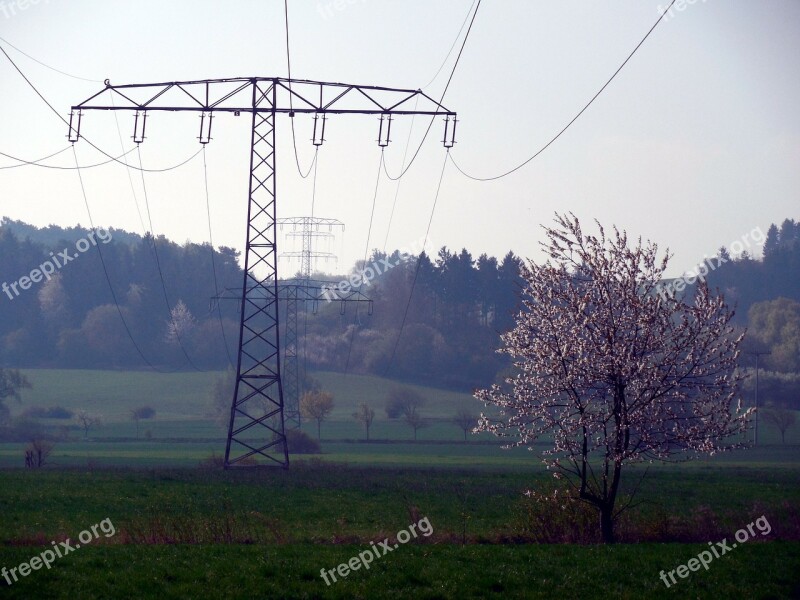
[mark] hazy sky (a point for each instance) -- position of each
(694, 145)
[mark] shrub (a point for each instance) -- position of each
(299, 442)
(37, 452)
(214, 461)
(403, 401)
(553, 515)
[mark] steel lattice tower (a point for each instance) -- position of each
(291, 369)
(309, 292)
(253, 439)
(308, 230)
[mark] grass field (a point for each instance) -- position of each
(427, 572)
(183, 433)
(186, 532)
(186, 395)
(253, 534)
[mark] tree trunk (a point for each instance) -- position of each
(319, 434)
(607, 524)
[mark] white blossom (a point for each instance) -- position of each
(613, 372)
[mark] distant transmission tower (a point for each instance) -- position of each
(311, 293)
(308, 230)
(256, 435)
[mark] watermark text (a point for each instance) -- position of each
(59, 550)
(716, 550)
(369, 272)
(736, 250)
(56, 261)
(374, 552)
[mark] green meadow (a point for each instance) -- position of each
(183, 529)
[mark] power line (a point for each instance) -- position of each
(105, 270)
(36, 60)
(416, 271)
(291, 105)
(128, 172)
(158, 264)
(403, 168)
(30, 162)
(213, 260)
(399, 181)
(305, 306)
(314, 181)
(141, 354)
(436, 197)
(144, 231)
(155, 249)
(57, 114)
(36, 163)
(449, 80)
(453, 45)
(366, 252)
(413, 118)
(460, 52)
(576, 117)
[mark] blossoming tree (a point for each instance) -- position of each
(612, 372)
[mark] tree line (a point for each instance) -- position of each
(158, 308)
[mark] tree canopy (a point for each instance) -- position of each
(613, 371)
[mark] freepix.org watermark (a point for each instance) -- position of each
(326, 10)
(10, 8)
(371, 271)
(736, 249)
(374, 552)
(717, 549)
(679, 6)
(59, 550)
(56, 261)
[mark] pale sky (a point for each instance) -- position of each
(694, 145)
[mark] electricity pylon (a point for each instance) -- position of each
(308, 229)
(260, 440)
(310, 292)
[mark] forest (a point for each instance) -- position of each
(133, 302)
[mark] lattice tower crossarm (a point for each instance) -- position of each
(256, 435)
